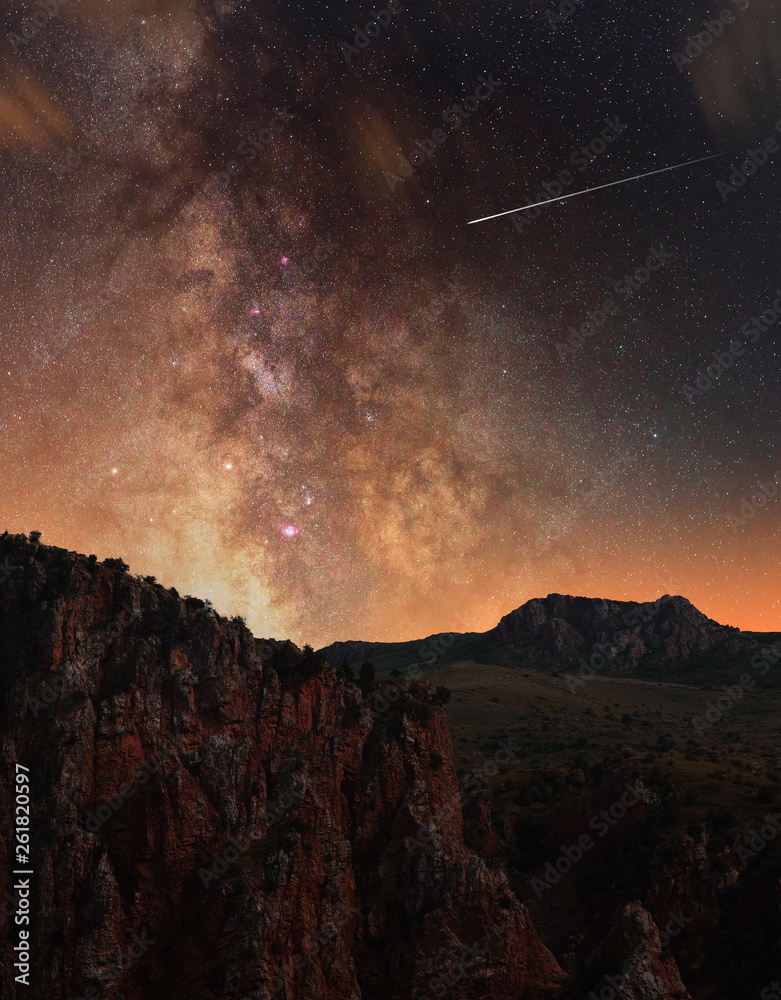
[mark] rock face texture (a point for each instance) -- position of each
(643, 970)
(215, 817)
(556, 632)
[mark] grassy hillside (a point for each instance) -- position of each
(733, 763)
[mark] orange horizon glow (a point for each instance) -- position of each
(474, 607)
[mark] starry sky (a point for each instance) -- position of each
(251, 344)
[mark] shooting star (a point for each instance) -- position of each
(575, 194)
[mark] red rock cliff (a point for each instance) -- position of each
(209, 822)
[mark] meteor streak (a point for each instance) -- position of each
(626, 180)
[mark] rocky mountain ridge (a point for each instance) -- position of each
(558, 632)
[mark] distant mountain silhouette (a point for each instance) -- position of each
(558, 632)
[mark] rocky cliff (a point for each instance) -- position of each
(216, 817)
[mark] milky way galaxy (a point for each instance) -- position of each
(251, 345)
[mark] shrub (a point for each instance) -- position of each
(35, 537)
(312, 663)
(117, 564)
(443, 694)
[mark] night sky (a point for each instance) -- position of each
(226, 354)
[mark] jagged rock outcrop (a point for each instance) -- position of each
(635, 950)
(215, 817)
